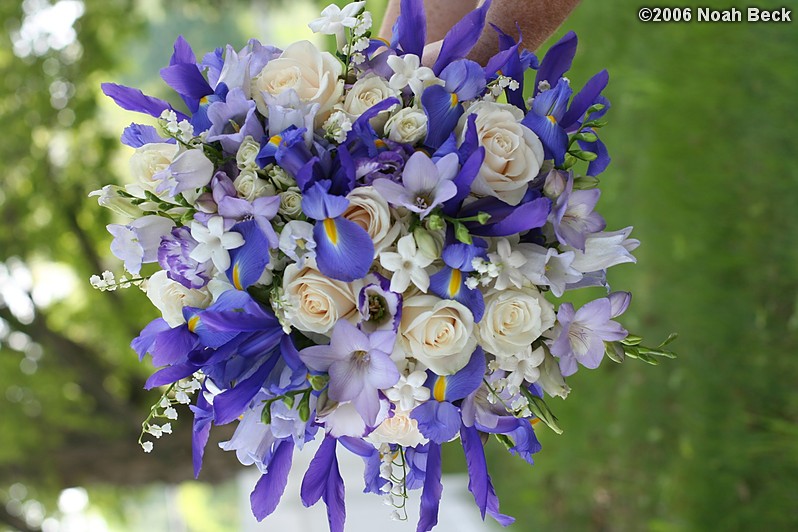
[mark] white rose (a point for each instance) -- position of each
(247, 153)
(249, 186)
(170, 297)
(291, 203)
(369, 210)
(400, 429)
(514, 319)
(317, 302)
(437, 332)
(408, 125)
(365, 94)
(147, 161)
(513, 153)
(303, 68)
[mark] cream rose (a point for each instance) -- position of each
(514, 319)
(291, 203)
(408, 125)
(513, 153)
(247, 153)
(400, 429)
(147, 161)
(365, 94)
(369, 210)
(249, 186)
(437, 332)
(170, 297)
(317, 302)
(303, 68)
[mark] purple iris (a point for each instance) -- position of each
(232, 120)
(582, 333)
(359, 366)
(425, 184)
(344, 250)
(173, 256)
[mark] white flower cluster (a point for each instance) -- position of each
(178, 393)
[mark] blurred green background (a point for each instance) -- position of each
(702, 133)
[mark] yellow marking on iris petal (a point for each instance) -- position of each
(331, 230)
(551, 119)
(385, 41)
(455, 100)
(454, 282)
(534, 422)
(237, 277)
(276, 140)
(204, 100)
(439, 390)
(379, 143)
(193, 322)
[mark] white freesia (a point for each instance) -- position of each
(400, 429)
(250, 186)
(170, 297)
(409, 72)
(214, 242)
(334, 20)
(521, 366)
(437, 332)
(410, 391)
(509, 261)
(604, 250)
(513, 153)
(369, 210)
(407, 264)
(548, 267)
(316, 301)
(407, 126)
(513, 319)
(148, 163)
(312, 74)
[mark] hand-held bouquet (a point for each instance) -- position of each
(358, 248)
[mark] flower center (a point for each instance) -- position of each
(361, 358)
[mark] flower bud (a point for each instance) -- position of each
(110, 198)
(427, 243)
(555, 183)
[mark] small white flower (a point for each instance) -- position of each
(408, 71)
(407, 264)
(170, 413)
(182, 398)
(337, 126)
(333, 20)
(410, 391)
(166, 428)
(155, 430)
(214, 242)
(522, 366)
(507, 261)
(147, 446)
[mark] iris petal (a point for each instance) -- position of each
(443, 110)
(344, 250)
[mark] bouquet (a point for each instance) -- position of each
(359, 249)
